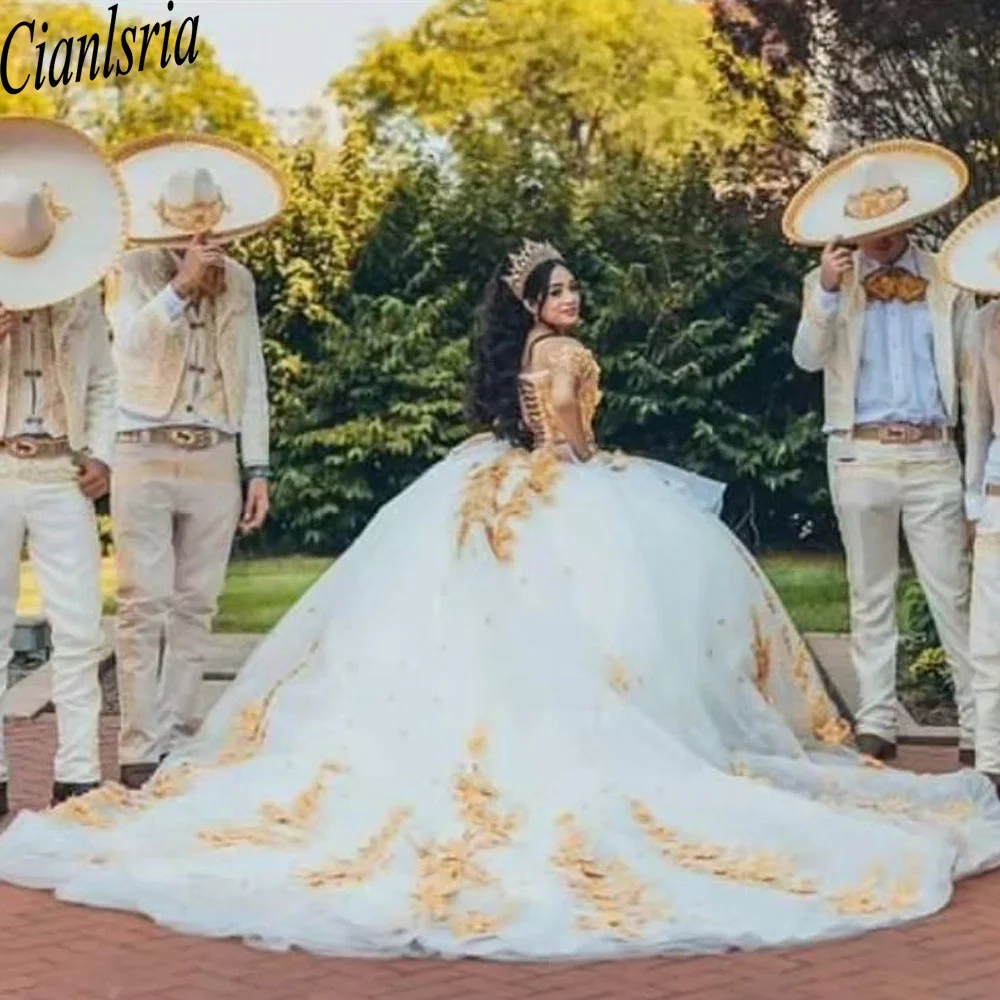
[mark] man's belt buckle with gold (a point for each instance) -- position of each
(190, 438)
(900, 434)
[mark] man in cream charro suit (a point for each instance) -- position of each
(889, 334)
(971, 259)
(62, 224)
(192, 399)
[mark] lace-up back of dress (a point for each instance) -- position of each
(562, 355)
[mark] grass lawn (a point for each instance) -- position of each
(812, 587)
(258, 592)
(256, 595)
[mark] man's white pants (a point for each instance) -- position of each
(878, 488)
(175, 515)
(65, 552)
(985, 641)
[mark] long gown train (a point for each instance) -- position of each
(538, 710)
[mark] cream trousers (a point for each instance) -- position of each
(985, 641)
(878, 488)
(40, 501)
(175, 514)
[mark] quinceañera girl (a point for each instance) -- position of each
(545, 706)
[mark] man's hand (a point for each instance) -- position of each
(95, 478)
(256, 507)
(836, 261)
(201, 260)
(8, 324)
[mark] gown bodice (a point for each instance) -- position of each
(564, 357)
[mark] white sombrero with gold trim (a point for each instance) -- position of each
(876, 190)
(971, 254)
(63, 213)
(182, 185)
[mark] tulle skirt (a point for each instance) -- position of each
(537, 710)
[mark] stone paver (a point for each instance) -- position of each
(54, 951)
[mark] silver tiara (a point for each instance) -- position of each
(522, 263)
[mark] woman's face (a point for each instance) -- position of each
(560, 309)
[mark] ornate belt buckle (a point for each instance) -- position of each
(189, 438)
(183, 437)
(23, 448)
(894, 434)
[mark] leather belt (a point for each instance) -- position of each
(188, 438)
(900, 433)
(29, 446)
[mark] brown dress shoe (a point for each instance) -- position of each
(874, 746)
(134, 776)
(966, 757)
(63, 790)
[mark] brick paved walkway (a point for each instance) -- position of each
(53, 951)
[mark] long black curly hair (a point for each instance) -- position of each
(503, 325)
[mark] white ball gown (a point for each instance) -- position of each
(539, 710)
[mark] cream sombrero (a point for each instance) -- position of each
(63, 213)
(878, 189)
(971, 254)
(181, 185)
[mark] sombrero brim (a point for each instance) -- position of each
(970, 256)
(89, 240)
(253, 188)
(934, 178)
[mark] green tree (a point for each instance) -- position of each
(579, 78)
(868, 71)
(690, 303)
(693, 301)
(303, 268)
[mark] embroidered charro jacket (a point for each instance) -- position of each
(77, 397)
(832, 342)
(981, 375)
(152, 346)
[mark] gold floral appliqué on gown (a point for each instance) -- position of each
(619, 902)
(760, 868)
(498, 494)
(374, 856)
(277, 825)
(447, 868)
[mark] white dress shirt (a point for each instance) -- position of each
(897, 377)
